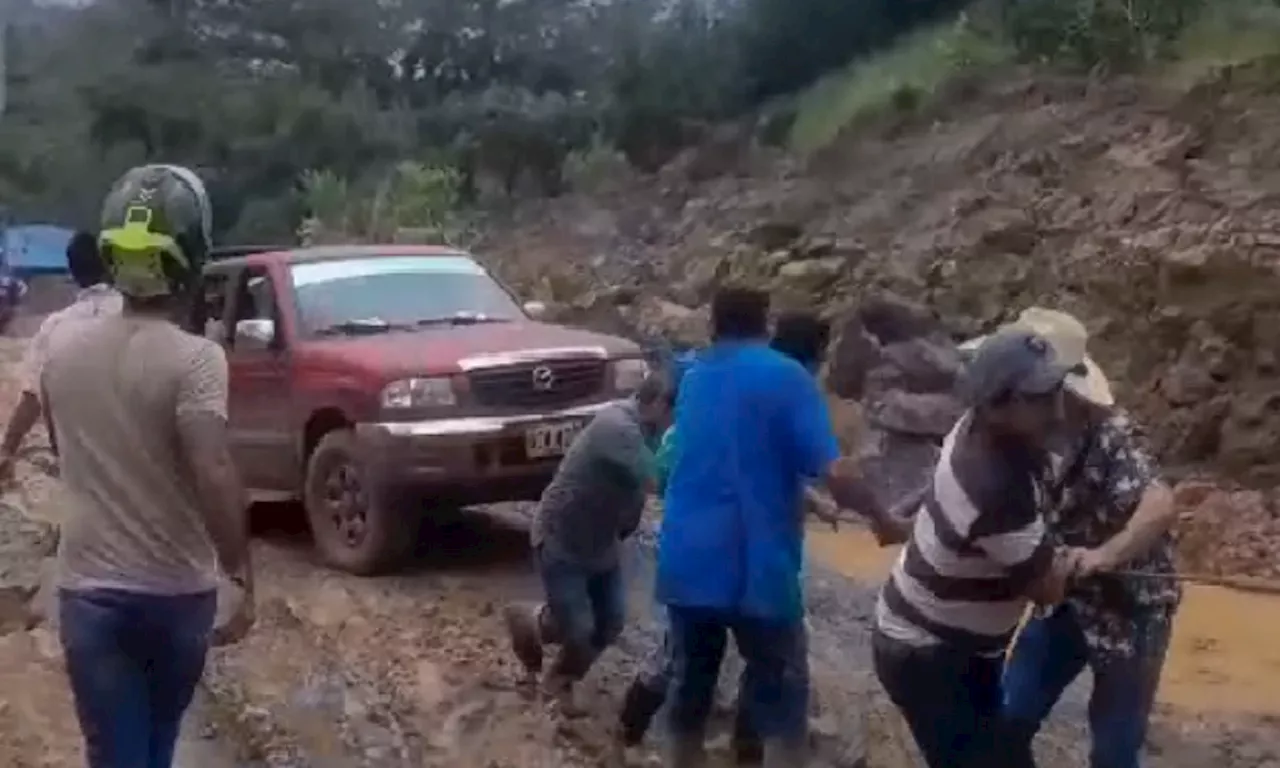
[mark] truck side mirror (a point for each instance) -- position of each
(257, 333)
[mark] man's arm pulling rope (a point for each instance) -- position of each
(852, 491)
(1153, 518)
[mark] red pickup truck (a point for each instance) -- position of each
(375, 383)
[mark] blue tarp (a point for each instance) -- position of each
(34, 249)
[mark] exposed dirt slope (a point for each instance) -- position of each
(1150, 213)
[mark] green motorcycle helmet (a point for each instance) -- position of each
(156, 228)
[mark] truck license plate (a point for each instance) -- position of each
(547, 440)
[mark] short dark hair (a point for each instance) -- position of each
(739, 313)
(657, 386)
(803, 336)
(84, 260)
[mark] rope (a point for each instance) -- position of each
(1240, 583)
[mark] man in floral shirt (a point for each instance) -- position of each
(1108, 504)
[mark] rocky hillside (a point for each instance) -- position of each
(1150, 212)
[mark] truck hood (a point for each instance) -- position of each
(443, 350)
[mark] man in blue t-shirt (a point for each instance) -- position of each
(754, 429)
(804, 337)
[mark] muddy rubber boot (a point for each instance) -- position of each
(784, 753)
(526, 637)
(686, 752)
(639, 706)
(746, 744)
(747, 750)
(563, 692)
(1016, 738)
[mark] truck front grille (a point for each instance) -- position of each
(548, 383)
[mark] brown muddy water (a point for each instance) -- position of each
(1225, 655)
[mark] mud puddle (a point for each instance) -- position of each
(1224, 658)
(1219, 699)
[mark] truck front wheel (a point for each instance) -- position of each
(357, 528)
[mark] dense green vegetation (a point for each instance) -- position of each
(341, 108)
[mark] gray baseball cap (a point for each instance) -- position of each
(1011, 362)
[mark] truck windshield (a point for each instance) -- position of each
(399, 292)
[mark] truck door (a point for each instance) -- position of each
(260, 422)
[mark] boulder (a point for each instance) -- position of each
(899, 466)
(776, 235)
(852, 358)
(811, 274)
(890, 318)
(677, 323)
(1006, 230)
(919, 365)
(930, 415)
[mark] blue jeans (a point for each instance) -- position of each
(134, 661)
(775, 681)
(1050, 653)
(587, 610)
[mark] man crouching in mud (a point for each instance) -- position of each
(593, 503)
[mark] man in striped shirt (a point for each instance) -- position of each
(977, 553)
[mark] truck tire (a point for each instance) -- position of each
(357, 528)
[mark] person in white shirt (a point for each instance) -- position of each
(96, 299)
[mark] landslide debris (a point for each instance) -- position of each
(1151, 213)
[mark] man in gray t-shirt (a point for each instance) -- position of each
(137, 409)
(594, 502)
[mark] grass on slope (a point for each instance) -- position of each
(898, 78)
(1230, 33)
(1227, 34)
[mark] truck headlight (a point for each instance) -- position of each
(627, 374)
(419, 393)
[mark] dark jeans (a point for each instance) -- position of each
(1050, 653)
(775, 685)
(648, 692)
(586, 610)
(134, 661)
(949, 698)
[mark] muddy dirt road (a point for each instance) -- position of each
(414, 669)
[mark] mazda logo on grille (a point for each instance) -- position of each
(543, 378)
